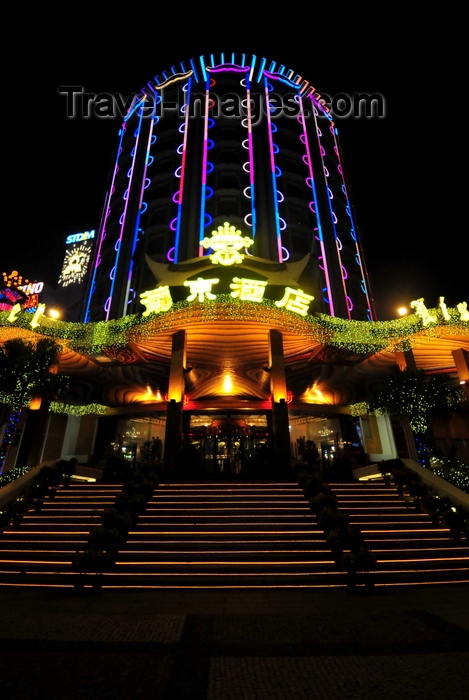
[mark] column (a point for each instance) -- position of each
(278, 388)
(173, 432)
(461, 360)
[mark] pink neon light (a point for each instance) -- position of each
(209, 103)
(272, 165)
(234, 69)
(321, 242)
(249, 128)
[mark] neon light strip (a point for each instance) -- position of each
(251, 164)
(226, 69)
(274, 179)
(253, 63)
(355, 237)
(304, 87)
(173, 79)
(318, 218)
(183, 170)
(121, 233)
(203, 193)
(102, 228)
(204, 71)
(137, 222)
(275, 76)
(333, 221)
(259, 72)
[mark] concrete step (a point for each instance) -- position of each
(230, 534)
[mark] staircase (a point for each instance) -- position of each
(226, 535)
(230, 535)
(409, 548)
(39, 551)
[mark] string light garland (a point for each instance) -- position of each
(71, 410)
(360, 337)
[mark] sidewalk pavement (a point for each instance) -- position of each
(407, 643)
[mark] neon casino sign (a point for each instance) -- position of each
(77, 258)
(79, 237)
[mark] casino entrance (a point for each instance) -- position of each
(230, 445)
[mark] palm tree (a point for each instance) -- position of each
(25, 373)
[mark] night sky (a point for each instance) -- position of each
(402, 168)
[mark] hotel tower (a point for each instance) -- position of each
(227, 226)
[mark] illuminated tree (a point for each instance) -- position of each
(25, 374)
(417, 395)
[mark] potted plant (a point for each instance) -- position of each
(106, 539)
(322, 500)
(93, 562)
(112, 519)
(454, 520)
(4, 520)
(399, 478)
(18, 509)
(54, 482)
(466, 531)
(432, 504)
(137, 505)
(358, 566)
(416, 490)
(385, 472)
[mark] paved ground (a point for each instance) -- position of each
(235, 644)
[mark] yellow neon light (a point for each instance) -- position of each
(226, 241)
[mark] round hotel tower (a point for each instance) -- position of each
(237, 139)
(227, 223)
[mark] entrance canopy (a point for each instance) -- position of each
(125, 364)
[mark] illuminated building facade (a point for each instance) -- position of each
(227, 302)
(228, 183)
(238, 139)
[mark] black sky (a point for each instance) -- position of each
(401, 168)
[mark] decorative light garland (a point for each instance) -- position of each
(360, 337)
(90, 409)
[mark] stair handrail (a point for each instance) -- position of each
(438, 485)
